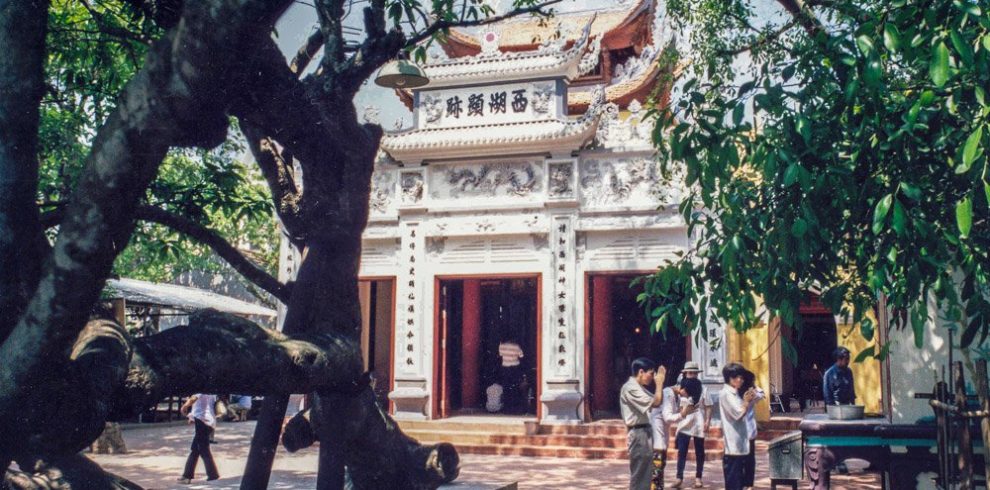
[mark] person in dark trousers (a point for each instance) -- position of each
(635, 403)
(693, 428)
(749, 469)
(735, 431)
(837, 386)
(199, 408)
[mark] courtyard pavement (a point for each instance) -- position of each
(157, 453)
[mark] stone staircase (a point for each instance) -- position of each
(508, 437)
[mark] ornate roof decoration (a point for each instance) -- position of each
(591, 58)
(638, 77)
(614, 25)
(533, 136)
(550, 60)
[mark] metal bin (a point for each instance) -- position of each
(786, 457)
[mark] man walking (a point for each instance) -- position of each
(635, 403)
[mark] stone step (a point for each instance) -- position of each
(563, 451)
(447, 425)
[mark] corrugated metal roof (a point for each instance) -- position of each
(180, 297)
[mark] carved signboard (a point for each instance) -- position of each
(493, 104)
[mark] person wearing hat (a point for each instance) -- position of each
(693, 427)
(837, 385)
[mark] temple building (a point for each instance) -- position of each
(520, 207)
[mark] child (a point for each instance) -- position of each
(669, 412)
(693, 427)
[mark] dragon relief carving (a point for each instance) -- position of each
(490, 179)
(612, 182)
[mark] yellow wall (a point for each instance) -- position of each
(866, 374)
(750, 350)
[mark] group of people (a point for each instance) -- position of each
(648, 416)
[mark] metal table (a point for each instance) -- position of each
(900, 452)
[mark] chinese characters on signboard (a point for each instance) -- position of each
(496, 103)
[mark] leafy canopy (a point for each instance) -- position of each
(848, 157)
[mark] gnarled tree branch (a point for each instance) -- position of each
(219, 245)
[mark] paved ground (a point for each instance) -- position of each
(158, 453)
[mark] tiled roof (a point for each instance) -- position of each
(524, 34)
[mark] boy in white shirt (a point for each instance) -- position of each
(669, 412)
(734, 428)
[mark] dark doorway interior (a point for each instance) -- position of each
(814, 344)
(619, 333)
(376, 298)
(477, 315)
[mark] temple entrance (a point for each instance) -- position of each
(377, 319)
(814, 346)
(488, 346)
(618, 332)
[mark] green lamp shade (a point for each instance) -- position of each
(401, 74)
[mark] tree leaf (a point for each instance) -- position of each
(971, 150)
(965, 52)
(910, 191)
(964, 216)
(799, 228)
(865, 44)
(891, 37)
(880, 213)
(738, 112)
(938, 68)
(791, 174)
(899, 220)
(865, 354)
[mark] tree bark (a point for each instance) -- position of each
(23, 25)
(177, 99)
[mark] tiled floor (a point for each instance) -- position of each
(157, 454)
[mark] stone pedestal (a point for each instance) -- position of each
(561, 400)
(410, 398)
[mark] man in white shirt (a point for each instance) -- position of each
(635, 404)
(734, 428)
(511, 376)
(199, 408)
(669, 412)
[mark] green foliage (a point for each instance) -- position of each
(863, 172)
(93, 51)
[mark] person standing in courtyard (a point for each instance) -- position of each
(749, 469)
(837, 385)
(669, 412)
(511, 375)
(694, 427)
(199, 408)
(735, 431)
(635, 403)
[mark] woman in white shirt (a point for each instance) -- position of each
(513, 400)
(199, 409)
(669, 412)
(694, 427)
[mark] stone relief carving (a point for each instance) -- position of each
(412, 187)
(371, 115)
(540, 241)
(435, 245)
(635, 130)
(635, 66)
(492, 180)
(561, 178)
(382, 190)
(613, 182)
(542, 97)
(432, 108)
